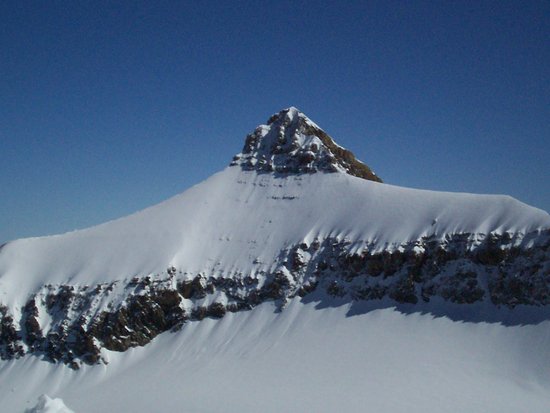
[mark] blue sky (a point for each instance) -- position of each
(109, 107)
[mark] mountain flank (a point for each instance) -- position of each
(294, 217)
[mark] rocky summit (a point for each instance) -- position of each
(291, 143)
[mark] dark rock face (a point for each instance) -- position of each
(10, 339)
(291, 144)
(502, 269)
(34, 336)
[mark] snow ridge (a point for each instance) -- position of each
(48, 405)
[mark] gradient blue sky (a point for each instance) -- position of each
(110, 107)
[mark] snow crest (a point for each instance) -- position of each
(48, 405)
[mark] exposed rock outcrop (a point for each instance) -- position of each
(291, 143)
(507, 270)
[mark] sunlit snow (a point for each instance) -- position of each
(307, 359)
(314, 355)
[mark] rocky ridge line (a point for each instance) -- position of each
(505, 270)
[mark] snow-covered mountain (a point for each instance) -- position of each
(294, 221)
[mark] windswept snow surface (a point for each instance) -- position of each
(306, 359)
(238, 221)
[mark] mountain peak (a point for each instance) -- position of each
(291, 143)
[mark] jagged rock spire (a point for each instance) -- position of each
(291, 143)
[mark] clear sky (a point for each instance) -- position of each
(109, 107)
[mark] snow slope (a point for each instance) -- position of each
(307, 359)
(239, 221)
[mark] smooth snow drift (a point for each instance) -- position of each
(306, 359)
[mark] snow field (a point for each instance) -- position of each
(307, 359)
